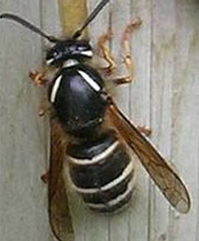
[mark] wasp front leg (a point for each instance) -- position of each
(39, 79)
(127, 59)
(106, 53)
(39, 76)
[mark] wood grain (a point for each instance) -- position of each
(23, 151)
(164, 97)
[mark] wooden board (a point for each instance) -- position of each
(23, 149)
(164, 97)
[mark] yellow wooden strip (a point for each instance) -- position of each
(72, 15)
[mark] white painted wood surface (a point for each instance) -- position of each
(164, 97)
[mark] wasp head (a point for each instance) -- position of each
(68, 49)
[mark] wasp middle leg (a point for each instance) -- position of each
(39, 76)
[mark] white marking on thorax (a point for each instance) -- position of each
(49, 61)
(70, 62)
(55, 89)
(88, 53)
(96, 158)
(89, 80)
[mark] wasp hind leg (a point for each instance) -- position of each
(144, 130)
(127, 59)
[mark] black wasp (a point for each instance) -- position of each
(100, 165)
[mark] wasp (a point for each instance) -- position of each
(100, 138)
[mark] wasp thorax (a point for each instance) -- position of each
(68, 49)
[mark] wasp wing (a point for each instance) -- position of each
(159, 170)
(59, 214)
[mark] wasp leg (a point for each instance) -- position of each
(127, 59)
(39, 77)
(106, 53)
(45, 177)
(144, 130)
(44, 108)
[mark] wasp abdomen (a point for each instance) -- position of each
(102, 171)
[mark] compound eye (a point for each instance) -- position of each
(57, 55)
(73, 48)
(81, 48)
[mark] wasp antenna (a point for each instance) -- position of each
(90, 18)
(28, 25)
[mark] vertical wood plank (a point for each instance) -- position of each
(164, 96)
(171, 41)
(50, 23)
(186, 112)
(23, 214)
(139, 104)
(122, 13)
(50, 19)
(162, 77)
